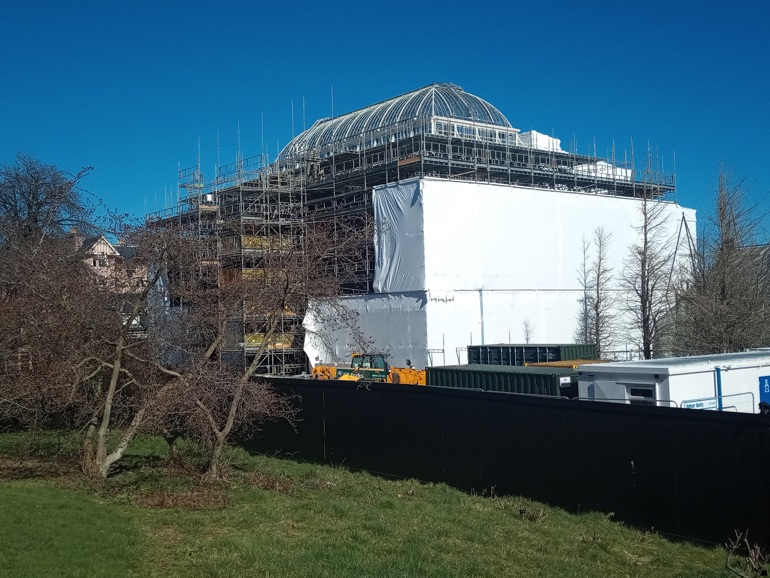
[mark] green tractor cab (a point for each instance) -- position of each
(365, 367)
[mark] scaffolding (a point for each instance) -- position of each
(239, 220)
(327, 174)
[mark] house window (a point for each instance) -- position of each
(99, 260)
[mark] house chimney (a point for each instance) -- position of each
(77, 238)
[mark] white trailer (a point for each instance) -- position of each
(724, 382)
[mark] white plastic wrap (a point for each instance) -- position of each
(435, 328)
(438, 235)
(461, 318)
(460, 263)
(604, 170)
(394, 324)
(399, 237)
(540, 141)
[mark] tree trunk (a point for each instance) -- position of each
(103, 459)
(117, 453)
(173, 450)
(88, 455)
(212, 471)
(220, 436)
(100, 456)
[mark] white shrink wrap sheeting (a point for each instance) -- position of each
(435, 328)
(439, 235)
(394, 324)
(604, 170)
(399, 237)
(461, 318)
(540, 141)
(460, 263)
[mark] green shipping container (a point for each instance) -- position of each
(517, 354)
(577, 351)
(551, 381)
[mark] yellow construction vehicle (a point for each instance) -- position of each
(371, 367)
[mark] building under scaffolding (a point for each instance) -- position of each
(438, 133)
(241, 218)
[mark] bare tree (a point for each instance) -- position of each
(43, 288)
(602, 323)
(74, 349)
(597, 318)
(213, 398)
(724, 304)
(37, 200)
(583, 331)
(529, 330)
(75, 330)
(121, 376)
(647, 277)
(108, 353)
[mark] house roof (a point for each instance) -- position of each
(89, 243)
(126, 251)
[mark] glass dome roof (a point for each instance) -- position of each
(444, 100)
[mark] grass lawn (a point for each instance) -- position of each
(46, 530)
(279, 518)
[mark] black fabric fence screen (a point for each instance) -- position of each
(689, 473)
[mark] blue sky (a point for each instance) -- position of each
(131, 87)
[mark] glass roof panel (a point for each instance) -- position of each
(446, 100)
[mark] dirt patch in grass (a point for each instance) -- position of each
(206, 496)
(199, 499)
(26, 468)
(268, 482)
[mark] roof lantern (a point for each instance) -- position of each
(435, 100)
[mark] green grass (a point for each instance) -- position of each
(279, 518)
(47, 530)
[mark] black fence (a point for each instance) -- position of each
(689, 473)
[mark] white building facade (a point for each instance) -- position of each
(460, 263)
